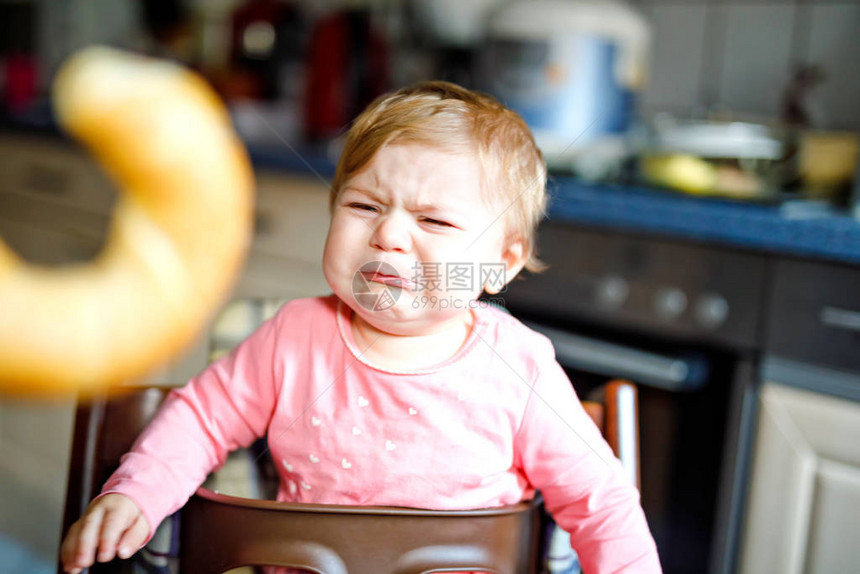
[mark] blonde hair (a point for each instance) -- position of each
(444, 115)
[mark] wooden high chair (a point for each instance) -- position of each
(220, 532)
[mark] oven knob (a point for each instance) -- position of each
(711, 310)
(612, 292)
(669, 303)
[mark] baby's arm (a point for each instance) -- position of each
(227, 406)
(584, 487)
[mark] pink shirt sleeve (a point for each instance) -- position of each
(226, 406)
(564, 456)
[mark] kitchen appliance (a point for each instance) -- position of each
(572, 69)
(682, 321)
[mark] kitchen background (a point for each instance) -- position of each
(790, 69)
(735, 55)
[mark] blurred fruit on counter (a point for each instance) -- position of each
(738, 160)
(748, 161)
(699, 176)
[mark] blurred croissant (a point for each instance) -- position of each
(176, 241)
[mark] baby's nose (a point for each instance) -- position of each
(393, 233)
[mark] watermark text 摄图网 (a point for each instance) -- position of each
(454, 276)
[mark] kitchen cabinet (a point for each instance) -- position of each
(804, 492)
(804, 485)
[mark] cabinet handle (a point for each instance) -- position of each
(840, 318)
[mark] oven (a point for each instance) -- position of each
(682, 321)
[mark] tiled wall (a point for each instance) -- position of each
(738, 55)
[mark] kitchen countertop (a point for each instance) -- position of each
(791, 229)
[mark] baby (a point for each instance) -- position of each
(400, 388)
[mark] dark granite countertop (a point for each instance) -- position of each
(791, 229)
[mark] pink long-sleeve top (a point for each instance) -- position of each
(485, 428)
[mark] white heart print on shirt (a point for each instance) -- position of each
(313, 458)
(362, 402)
(287, 465)
(345, 463)
(356, 431)
(412, 411)
(390, 445)
(315, 421)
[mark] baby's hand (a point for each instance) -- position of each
(113, 525)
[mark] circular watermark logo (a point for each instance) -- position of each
(384, 296)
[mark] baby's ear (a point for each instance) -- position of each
(514, 256)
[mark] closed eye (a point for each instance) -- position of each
(363, 207)
(437, 222)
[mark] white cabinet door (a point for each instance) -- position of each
(803, 510)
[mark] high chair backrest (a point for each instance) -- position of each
(220, 532)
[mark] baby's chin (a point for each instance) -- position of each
(409, 323)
